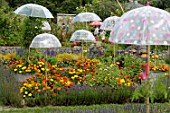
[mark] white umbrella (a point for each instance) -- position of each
(45, 40)
(46, 26)
(84, 35)
(86, 17)
(34, 10)
(109, 23)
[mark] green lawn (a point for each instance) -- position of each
(106, 108)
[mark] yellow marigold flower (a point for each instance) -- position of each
(51, 79)
(128, 84)
(24, 96)
(54, 66)
(23, 68)
(29, 85)
(20, 71)
(15, 69)
(122, 81)
(42, 69)
(26, 92)
(156, 56)
(19, 65)
(76, 76)
(30, 94)
(21, 89)
(73, 77)
(28, 70)
(40, 65)
(80, 70)
(25, 84)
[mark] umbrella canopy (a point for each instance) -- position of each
(45, 40)
(144, 26)
(34, 10)
(96, 23)
(109, 23)
(84, 35)
(46, 26)
(86, 17)
(133, 4)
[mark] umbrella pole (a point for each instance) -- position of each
(46, 67)
(86, 49)
(147, 99)
(28, 53)
(82, 48)
(114, 53)
(120, 6)
(168, 66)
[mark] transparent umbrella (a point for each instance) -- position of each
(86, 17)
(109, 23)
(82, 36)
(34, 10)
(143, 26)
(45, 40)
(46, 26)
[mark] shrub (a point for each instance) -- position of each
(9, 91)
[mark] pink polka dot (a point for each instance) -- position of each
(147, 35)
(128, 41)
(144, 20)
(158, 42)
(121, 34)
(168, 35)
(156, 28)
(125, 20)
(133, 27)
(139, 34)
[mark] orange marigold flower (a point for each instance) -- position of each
(54, 94)
(58, 88)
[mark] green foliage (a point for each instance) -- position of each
(10, 32)
(110, 108)
(155, 89)
(52, 60)
(106, 76)
(9, 91)
(31, 27)
(83, 95)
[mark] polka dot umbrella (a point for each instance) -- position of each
(143, 26)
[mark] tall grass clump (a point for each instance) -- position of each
(9, 91)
